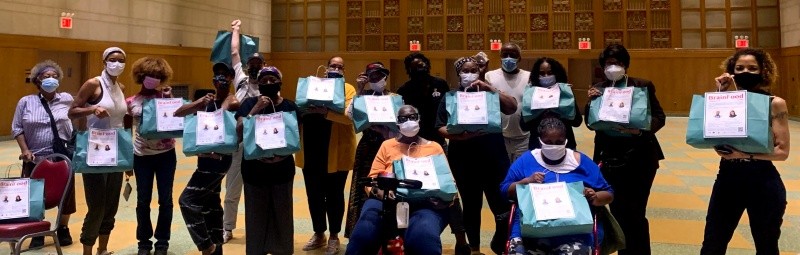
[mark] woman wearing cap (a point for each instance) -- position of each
(200, 201)
(153, 158)
(39, 123)
(100, 103)
(268, 181)
(371, 82)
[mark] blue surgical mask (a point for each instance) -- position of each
(547, 80)
(509, 64)
(49, 85)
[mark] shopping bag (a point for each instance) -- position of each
(321, 92)
(103, 151)
(270, 135)
(157, 120)
(432, 171)
(480, 112)
(221, 50)
(21, 200)
(553, 209)
(376, 110)
(208, 132)
(558, 99)
(759, 137)
(638, 118)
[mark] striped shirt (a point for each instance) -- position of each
(32, 120)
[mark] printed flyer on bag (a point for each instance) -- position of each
(552, 201)
(270, 131)
(102, 150)
(320, 89)
(379, 109)
(15, 195)
(423, 170)
(725, 114)
(545, 98)
(210, 128)
(472, 108)
(165, 109)
(616, 105)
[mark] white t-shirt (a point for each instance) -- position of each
(513, 85)
(244, 87)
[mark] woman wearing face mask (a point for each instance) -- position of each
(153, 158)
(765, 198)
(629, 162)
(375, 78)
(200, 201)
(547, 72)
(554, 162)
(100, 103)
(425, 222)
(268, 181)
(476, 176)
(41, 127)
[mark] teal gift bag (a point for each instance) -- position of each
(361, 105)
(227, 145)
(155, 109)
(221, 50)
(442, 178)
(566, 103)
(639, 117)
(35, 209)
(582, 223)
(122, 162)
(321, 92)
(759, 132)
(492, 105)
(273, 124)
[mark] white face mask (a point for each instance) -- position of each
(410, 128)
(115, 68)
(378, 86)
(468, 78)
(553, 152)
(547, 80)
(614, 72)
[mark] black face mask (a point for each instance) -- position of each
(253, 72)
(270, 90)
(334, 75)
(221, 81)
(420, 72)
(748, 80)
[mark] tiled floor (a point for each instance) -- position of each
(677, 206)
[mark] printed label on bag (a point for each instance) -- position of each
(210, 128)
(321, 89)
(725, 114)
(472, 108)
(102, 150)
(14, 198)
(270, 131)
(402, 215)
(421, 169)
(165, 110)
(552, 201)
(545, 98)
(380, 109)
(616, 105)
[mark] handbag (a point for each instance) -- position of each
(67, 148)
(10, 188)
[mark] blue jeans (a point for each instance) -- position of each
(146, 168)
(422, 236)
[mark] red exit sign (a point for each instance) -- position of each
(414, 46)
(495, 45)
(66, 23)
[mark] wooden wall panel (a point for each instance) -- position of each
(789, 80)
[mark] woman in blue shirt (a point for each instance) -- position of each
(555, 163)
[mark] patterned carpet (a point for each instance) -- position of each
(676, 210)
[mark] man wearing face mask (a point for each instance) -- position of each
(424, 92)
(246, 86)
(630, 161)
(41, 127)
(512, 80)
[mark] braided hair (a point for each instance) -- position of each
(551, 124)
(410, 58)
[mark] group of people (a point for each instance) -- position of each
(488, 164)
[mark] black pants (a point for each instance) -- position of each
(631, 184)
(268, 216)
(102, 199)
(325, 193)
(753, 186)
(161, 168)
(201, 205)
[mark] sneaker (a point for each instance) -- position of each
(104, 252)
(463, 249)
(515, 247)
(160, 252)
(317, 241)
(64, 238)
(143, 252)
(333, 247)
(36, 243)
(227, 236)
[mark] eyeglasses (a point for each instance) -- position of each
(401, 118)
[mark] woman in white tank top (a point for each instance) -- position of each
(101, 102)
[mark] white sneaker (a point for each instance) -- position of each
(227, 236)
(317, 241)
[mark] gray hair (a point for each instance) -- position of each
(42, 67)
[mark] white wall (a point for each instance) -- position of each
(790, 23)
(191, 23)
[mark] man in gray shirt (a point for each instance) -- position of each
(512, 80)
